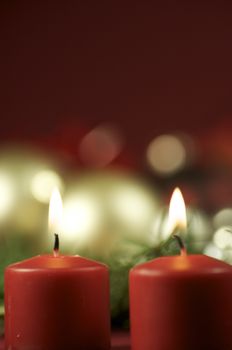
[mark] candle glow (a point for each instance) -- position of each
(177, 219)
(55, 211)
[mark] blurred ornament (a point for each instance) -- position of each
(213, 251)
(104, 209)
(133, 207)
(81, 218)
(25, 175)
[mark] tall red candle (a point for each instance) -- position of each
(181, 303)
(57, 302)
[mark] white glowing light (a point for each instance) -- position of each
(81, 218)
(43, 183)
(213, 251)
(132, 205)
(223, 238)
(55, 212)
(6, 194)
(166, 154)
(177, 212)
(223, 218)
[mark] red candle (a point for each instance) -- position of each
(55, 302)
(181, 303)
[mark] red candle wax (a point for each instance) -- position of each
(57, 302)
(181, 303)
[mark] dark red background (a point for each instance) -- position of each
(148, 66)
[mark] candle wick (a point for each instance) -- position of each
(56, 245)
(180, 242)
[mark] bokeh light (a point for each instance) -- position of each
(81, 218)
(43, 183)
(223, 218)
(131, 205)
(223, 238)
(103, 211)
(101, 146)
(221, 246)
(166, 154)
(26, 174)
(7, 193)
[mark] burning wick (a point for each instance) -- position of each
(56, 245)
(180, 242)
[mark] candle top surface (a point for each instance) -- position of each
(51, 262)
(194, 264)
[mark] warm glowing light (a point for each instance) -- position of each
(6, 194)
(107, 204)
(43, 183)
(55, 212)
(166, 154)
(132, 205)
(177, 212)
(81, 218)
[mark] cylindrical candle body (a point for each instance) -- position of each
(57, 303)
(181, 303)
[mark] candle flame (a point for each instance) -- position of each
(177, 219)
(55, 211)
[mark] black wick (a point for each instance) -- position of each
(56, 244)
(181, 244)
